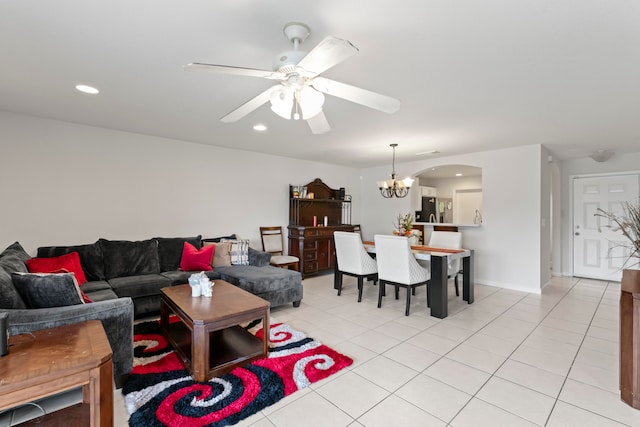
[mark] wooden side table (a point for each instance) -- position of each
(51, 361)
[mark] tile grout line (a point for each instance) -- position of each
(508, 357)
(572, 363)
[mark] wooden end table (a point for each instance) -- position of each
(50, 361)
(207, 338)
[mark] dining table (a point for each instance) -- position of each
(439, 257)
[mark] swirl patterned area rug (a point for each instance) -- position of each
(160, 391)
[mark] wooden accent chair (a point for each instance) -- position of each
(273, 243)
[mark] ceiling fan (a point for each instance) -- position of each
(300, 91)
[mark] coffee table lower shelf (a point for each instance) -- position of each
(228, 347)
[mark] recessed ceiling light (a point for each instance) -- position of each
(260, 128)
(87, 89)
(458, 174)
(427, 152)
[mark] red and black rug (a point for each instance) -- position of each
(160, 391)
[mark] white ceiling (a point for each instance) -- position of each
(472, 75)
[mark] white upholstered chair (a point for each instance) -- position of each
(273, 243)
(449, 240)
(353, 260)
(397, 266)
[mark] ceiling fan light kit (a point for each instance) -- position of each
(394, 187)
(301, 91)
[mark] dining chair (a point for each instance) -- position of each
(449, 240)
(397, 266)
(273, 243)
(353, 260)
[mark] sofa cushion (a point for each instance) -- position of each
(48, 290)
(258, 280)
(12, 260)
(139, 286)
(170, 250)
(124, 258)
(102, 295)
(96, 285)
(196, 259)
(69, 262)
(90, 257)
(9, 296)
(259, 258)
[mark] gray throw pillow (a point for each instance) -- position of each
(12, 260)
(47, 290)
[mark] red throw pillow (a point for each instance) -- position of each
(69, 262)
(196, 260)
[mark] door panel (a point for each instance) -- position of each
(598, 252)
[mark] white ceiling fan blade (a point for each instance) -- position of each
(329, 52)
(238, 71)
(249, 106)
(364, 97)
(319, 124)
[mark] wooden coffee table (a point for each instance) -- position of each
(51, 361)
(208, 337)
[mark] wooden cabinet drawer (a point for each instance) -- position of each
(310, 255)
(310, 245)
(310, 266)
(310, 232)
(295, 232)
(325, 232)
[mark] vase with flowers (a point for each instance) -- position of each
(404, 227)
(627, 221)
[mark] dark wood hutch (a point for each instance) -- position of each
(315, 212)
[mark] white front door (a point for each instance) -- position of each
(597, 251)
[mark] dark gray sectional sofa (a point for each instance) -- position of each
(124, 279)
(139, 269)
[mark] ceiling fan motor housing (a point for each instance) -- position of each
(296, 32)
(285, 62)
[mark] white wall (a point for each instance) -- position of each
(64, 184)
(508, 244)
(629, 162)
(546, 216)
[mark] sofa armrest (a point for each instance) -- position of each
(116, 316)
(259, 258)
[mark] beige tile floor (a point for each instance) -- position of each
(510, 359)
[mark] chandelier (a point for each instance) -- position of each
(394, 187)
